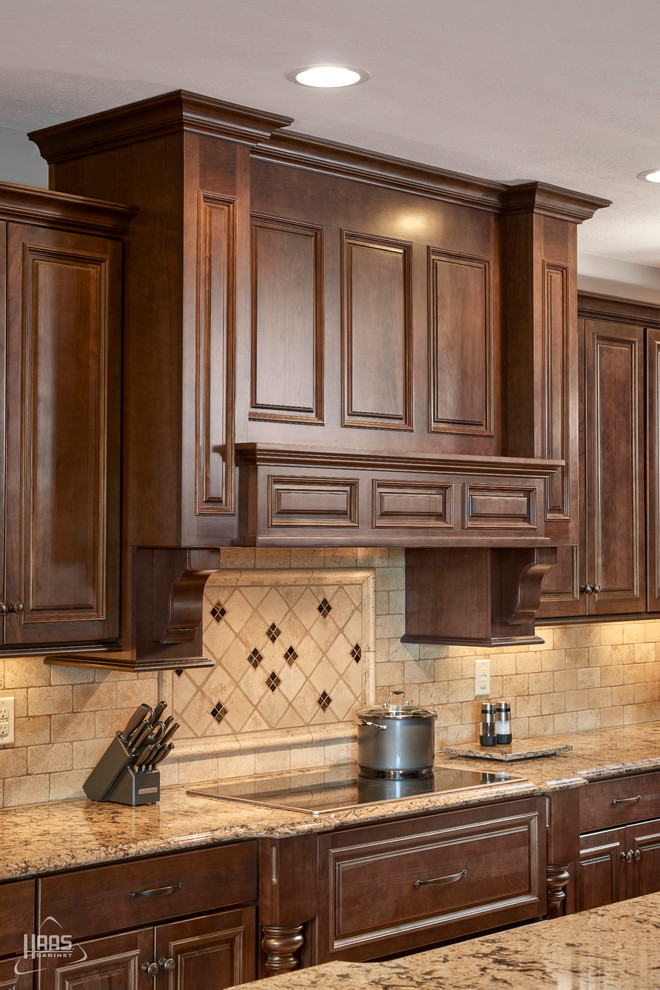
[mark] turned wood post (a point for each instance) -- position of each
(287, 899)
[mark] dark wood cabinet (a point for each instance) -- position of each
(155, 922)
(613, 569)
(17, 926)
(388, 888)
(211, 952)
(60, 405)
(619, 850)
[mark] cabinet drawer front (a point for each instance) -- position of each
(16, 915)
(129, 894)
(383, 888)
(616, 802)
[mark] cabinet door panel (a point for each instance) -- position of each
(644, 873)
(615, 467)
(9, 980)
(113, 963)
(601, 869)
(62, 436)
(377, 365)
(211, 952)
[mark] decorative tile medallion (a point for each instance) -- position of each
(289, 649)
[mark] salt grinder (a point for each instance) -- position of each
(503, 722)
(488, 730)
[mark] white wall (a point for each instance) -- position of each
(20, 160)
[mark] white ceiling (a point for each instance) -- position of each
(566, 92)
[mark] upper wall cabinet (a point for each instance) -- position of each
(60, 310)
(326, 346)
(614, 569)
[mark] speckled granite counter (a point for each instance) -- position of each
(43, 838)
(604, 949)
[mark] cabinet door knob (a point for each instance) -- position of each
(166, 964)
(638, 855)
(150, 968)
(629, 856)
(596, 589)
(587, 588)
(15, 607)
(4, 608)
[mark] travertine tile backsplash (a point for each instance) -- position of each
(582, 677)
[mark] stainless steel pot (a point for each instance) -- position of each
(396, 740)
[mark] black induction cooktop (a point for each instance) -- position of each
(326, 791)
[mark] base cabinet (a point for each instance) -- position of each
(390, 888)
(168, 923)
(211, 952)
(618, 863)
(620, 840)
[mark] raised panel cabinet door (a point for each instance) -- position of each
(211, 952)
(112, 963)
(62, 441)
(601, 877)
(615, 513)
(10, 979)
(643, 843)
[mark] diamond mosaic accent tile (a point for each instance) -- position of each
(219, 712)
(218, 611)
(324, 701)
(291, 649)
(255, 658)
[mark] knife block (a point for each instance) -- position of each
(114, 779)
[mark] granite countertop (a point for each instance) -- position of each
(44, 838)
(603, 949)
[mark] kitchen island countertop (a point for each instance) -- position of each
(607, 948)
(54, 836)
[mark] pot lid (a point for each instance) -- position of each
(392, 710)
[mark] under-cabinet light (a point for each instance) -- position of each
(328, 76)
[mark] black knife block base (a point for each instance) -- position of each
(114, 779)
(136, 787)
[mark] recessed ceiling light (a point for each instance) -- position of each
(327, 76)
(651, 175)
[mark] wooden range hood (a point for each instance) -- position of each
(324, 346)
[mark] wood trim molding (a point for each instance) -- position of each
(615, 309)
(147, 119)
(330, 457)
(40, 207)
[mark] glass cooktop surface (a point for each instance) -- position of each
(326, 791)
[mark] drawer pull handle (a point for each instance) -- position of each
(452, 878)
(630, 800)
(156, 892)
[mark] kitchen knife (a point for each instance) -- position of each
(158, 711)
(145, 724)
(161, 754)
(142, 737)
(136, 719)
(145, 757)
(168, 734)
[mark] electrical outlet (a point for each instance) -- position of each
(6, 721)
(481, 678)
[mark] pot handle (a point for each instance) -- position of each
(374, 725)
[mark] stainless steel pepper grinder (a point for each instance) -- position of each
(488, 730)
